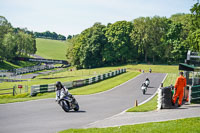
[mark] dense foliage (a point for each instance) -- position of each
(145, 39)
(14, 41)
(49, 35)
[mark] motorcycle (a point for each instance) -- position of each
(144, 88)
(68, 102)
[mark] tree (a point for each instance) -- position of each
(87, 47)
(157, 28)
(15, 41)
(175, 47)
(195, 10)
(5, 28)
(69, 37)
(194, 34)
(9, 46)
(194, 40)
(49, 35)
(119, 48)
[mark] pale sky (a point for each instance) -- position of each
(70, 17)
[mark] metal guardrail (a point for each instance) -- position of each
(3, 71)
(195, 93)
(19, 71)
(73, 84)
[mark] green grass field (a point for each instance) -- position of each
(5, 65)
(51, 49)
(189, 125)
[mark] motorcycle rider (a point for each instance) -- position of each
(59, 88)
(179, 89)
(144, 85)
(150, 70)
(147, 79)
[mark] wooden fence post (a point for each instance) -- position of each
(13, 90)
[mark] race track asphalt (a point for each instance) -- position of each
(46, 116)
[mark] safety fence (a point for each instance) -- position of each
(17, 89)
(7, 91)
(32, 69)
(194, 92)
(35, 89)
(24, 70)
(3, 73)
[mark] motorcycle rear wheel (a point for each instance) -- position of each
(76, 108)
(144, 91)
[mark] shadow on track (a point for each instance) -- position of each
(80, 111)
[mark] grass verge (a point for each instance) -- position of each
(148, 106)
(188, 125)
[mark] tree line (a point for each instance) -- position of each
(15, 41)
(145, 39)
(49, 35)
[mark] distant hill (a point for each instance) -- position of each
(51, 49)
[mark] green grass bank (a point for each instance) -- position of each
(189, 125)
(51, 49)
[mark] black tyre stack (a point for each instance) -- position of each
(166, 99)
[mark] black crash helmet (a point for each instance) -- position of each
(59, 84)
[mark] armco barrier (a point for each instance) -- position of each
(24, 70)
(42, 89)
(78, 83)
(159, 100)
(68, 84)
(195, 93)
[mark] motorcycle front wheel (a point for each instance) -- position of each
(65, 105)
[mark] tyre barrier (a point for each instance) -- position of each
(164, 98)
(195, 93)
(73, 84)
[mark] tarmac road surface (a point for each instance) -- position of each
(46, 116)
